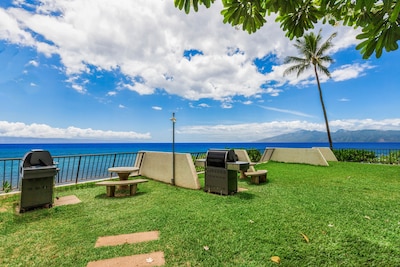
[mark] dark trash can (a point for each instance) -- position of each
(37, 180)
(221, 171)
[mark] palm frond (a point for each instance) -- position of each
(299, 69)
(313, 50)
(326, 45)
(326, 59)
(324, 70)
(294, 60)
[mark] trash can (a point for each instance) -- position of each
(37, 180)
(221, 171)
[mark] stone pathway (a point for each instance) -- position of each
(126, 239)
(141, 260)
(67, 200)
(148, 259)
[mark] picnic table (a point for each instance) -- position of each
(123, 172)
(110, 185)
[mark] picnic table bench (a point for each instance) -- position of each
(257, 177)
(110, 185)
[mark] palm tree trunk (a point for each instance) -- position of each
(323, 108)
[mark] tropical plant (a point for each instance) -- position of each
(379, 20)
(6, 186)
(314, 56)
(355, 155)
(254, 154)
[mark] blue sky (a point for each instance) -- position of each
(104, 71)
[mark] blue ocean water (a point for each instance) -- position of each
(64, 149)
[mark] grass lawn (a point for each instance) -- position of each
(346, 214)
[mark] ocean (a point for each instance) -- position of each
(67, 149)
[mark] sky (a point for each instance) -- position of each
(103, 70)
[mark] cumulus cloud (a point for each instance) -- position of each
(156, 108)
(247, 132)
(127, 36)
(34, 130)
(350, 71)
(354, 124)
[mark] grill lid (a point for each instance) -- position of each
(219, 157)
(37, 157)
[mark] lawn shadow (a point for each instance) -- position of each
(249, 182)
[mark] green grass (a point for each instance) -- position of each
(348, 211)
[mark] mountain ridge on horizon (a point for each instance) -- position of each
(301, 136)
(338, 136)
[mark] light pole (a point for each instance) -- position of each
(173, 119)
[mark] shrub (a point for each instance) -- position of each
(254, 154)
(355, 155)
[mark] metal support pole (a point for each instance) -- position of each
(173, 119)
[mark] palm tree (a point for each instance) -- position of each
(309, 47)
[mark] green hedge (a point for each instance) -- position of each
(361, 155)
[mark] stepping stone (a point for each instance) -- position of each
(67, 200)
(149, 259)
(126, 239)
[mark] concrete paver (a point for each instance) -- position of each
(126, 239)
(140, 260)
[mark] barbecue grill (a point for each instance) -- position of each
(221, 171)
(37, 180)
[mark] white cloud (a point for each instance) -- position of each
(124, 35)
(203, 105)
(156, 108)
(78, 88)
(350, 71)
(257, 131)
(226, 105)
(246, 131)
(19, 129)
(287, 111)
(121, 106)
(355, 124)
(33, 63)
(111, 93)
(272, 91)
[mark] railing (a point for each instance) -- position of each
(72, 169)
(79, 168)
(199, 155)
(10, 175)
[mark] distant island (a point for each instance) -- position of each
(338, 136)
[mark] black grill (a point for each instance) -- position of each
(219, 158)
(37, 180)
(219, 178)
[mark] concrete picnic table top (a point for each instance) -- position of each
(123, 172)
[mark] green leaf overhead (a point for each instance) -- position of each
(379, 20)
